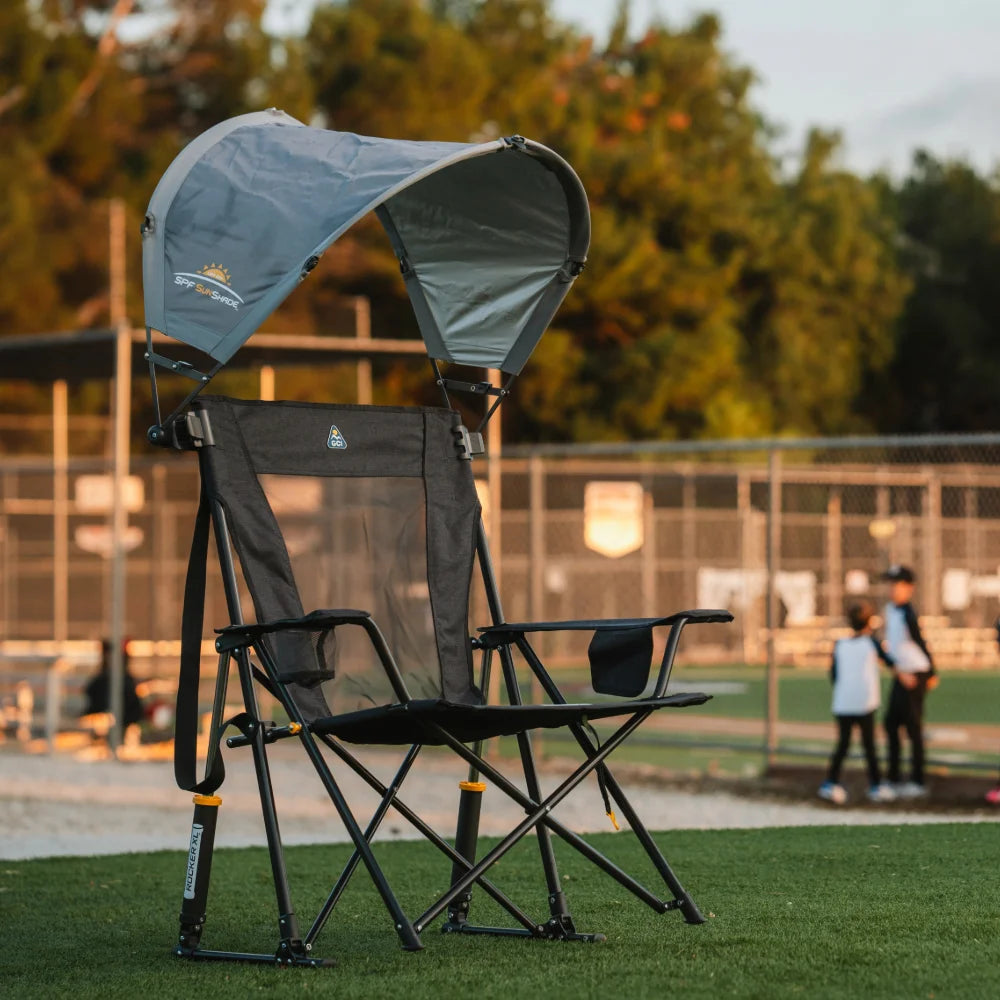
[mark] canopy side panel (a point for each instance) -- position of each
(487, 243)
(153, 281)
(253, 209)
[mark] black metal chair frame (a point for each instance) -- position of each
(239, 640)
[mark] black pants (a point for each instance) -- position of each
(866, 725)
(906, 711)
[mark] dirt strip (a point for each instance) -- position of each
(59, 805)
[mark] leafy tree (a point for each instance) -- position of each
(822, 307)
(723, 296)
(945, 366)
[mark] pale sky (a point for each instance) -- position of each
(891, 75)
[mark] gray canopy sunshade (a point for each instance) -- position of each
(489, 235)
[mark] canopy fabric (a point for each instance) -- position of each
(489, 236)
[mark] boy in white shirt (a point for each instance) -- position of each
(856, 699)
(915, 676)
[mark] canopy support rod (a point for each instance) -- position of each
(161, 432)
(502, 393)
(440, 382)
(476, 388)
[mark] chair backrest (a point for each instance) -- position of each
(364, 507)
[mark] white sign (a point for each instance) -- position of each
(612, 517)
(98, 538)
(956, 589)
(737, 589)
(95, 494)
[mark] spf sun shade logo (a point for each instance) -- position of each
(212, 280)
(335, 438)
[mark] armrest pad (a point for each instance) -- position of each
(696, 616)
(234, 636)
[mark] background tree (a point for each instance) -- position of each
(944, 366)
(725, 296)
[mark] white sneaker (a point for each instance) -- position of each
(911, 790)
(836, 794)
(881, 793)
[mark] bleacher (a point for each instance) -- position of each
(810, 644)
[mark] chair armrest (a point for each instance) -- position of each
(620, 652)
(493, 634)
(240, 636)
(235, 636)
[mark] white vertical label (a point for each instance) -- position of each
(192, 869)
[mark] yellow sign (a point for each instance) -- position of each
(613, 517)
(882, 527)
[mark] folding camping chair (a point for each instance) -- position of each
(370, 514)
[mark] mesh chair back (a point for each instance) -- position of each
(371, 508)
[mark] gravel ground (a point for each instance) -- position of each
(59, 805)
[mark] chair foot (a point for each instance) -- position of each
(555, 929)
(300, 959)
(461, 927)
(560, 927)
(689, 910)
(408, 937)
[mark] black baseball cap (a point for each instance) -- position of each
(903, 573)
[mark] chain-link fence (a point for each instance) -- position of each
(782, 533)
(784, 536)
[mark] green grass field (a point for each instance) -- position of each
(820, 912)
(739, 692)
(964, 696)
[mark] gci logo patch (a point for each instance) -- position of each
(335, 438)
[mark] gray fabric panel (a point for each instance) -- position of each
(453, 512)
(256, 205)
(293, 439)
(486, 238)
(426, 321)
(263, 557)
(545, 307)
(486, 229)
(263, 438)
(153, 276)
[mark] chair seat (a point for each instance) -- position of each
(414, 722)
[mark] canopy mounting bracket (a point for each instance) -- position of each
(476, 388)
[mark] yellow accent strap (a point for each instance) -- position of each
(295, 728)
(472, 786)
(207, 800)
(614, 819)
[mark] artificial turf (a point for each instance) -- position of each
(823, 912)
(963, 696)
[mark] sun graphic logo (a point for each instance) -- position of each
(217, 273)
(213, 281)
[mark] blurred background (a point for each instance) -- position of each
(776, 375)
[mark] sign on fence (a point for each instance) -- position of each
(612, 517)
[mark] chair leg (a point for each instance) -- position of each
(684, 902)
(409, 937)
(470, 801)
(433, 837)
(539, 812)
(199, 870)
(687, 906)
(388, 797)
(560, 921)
(291, 949)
